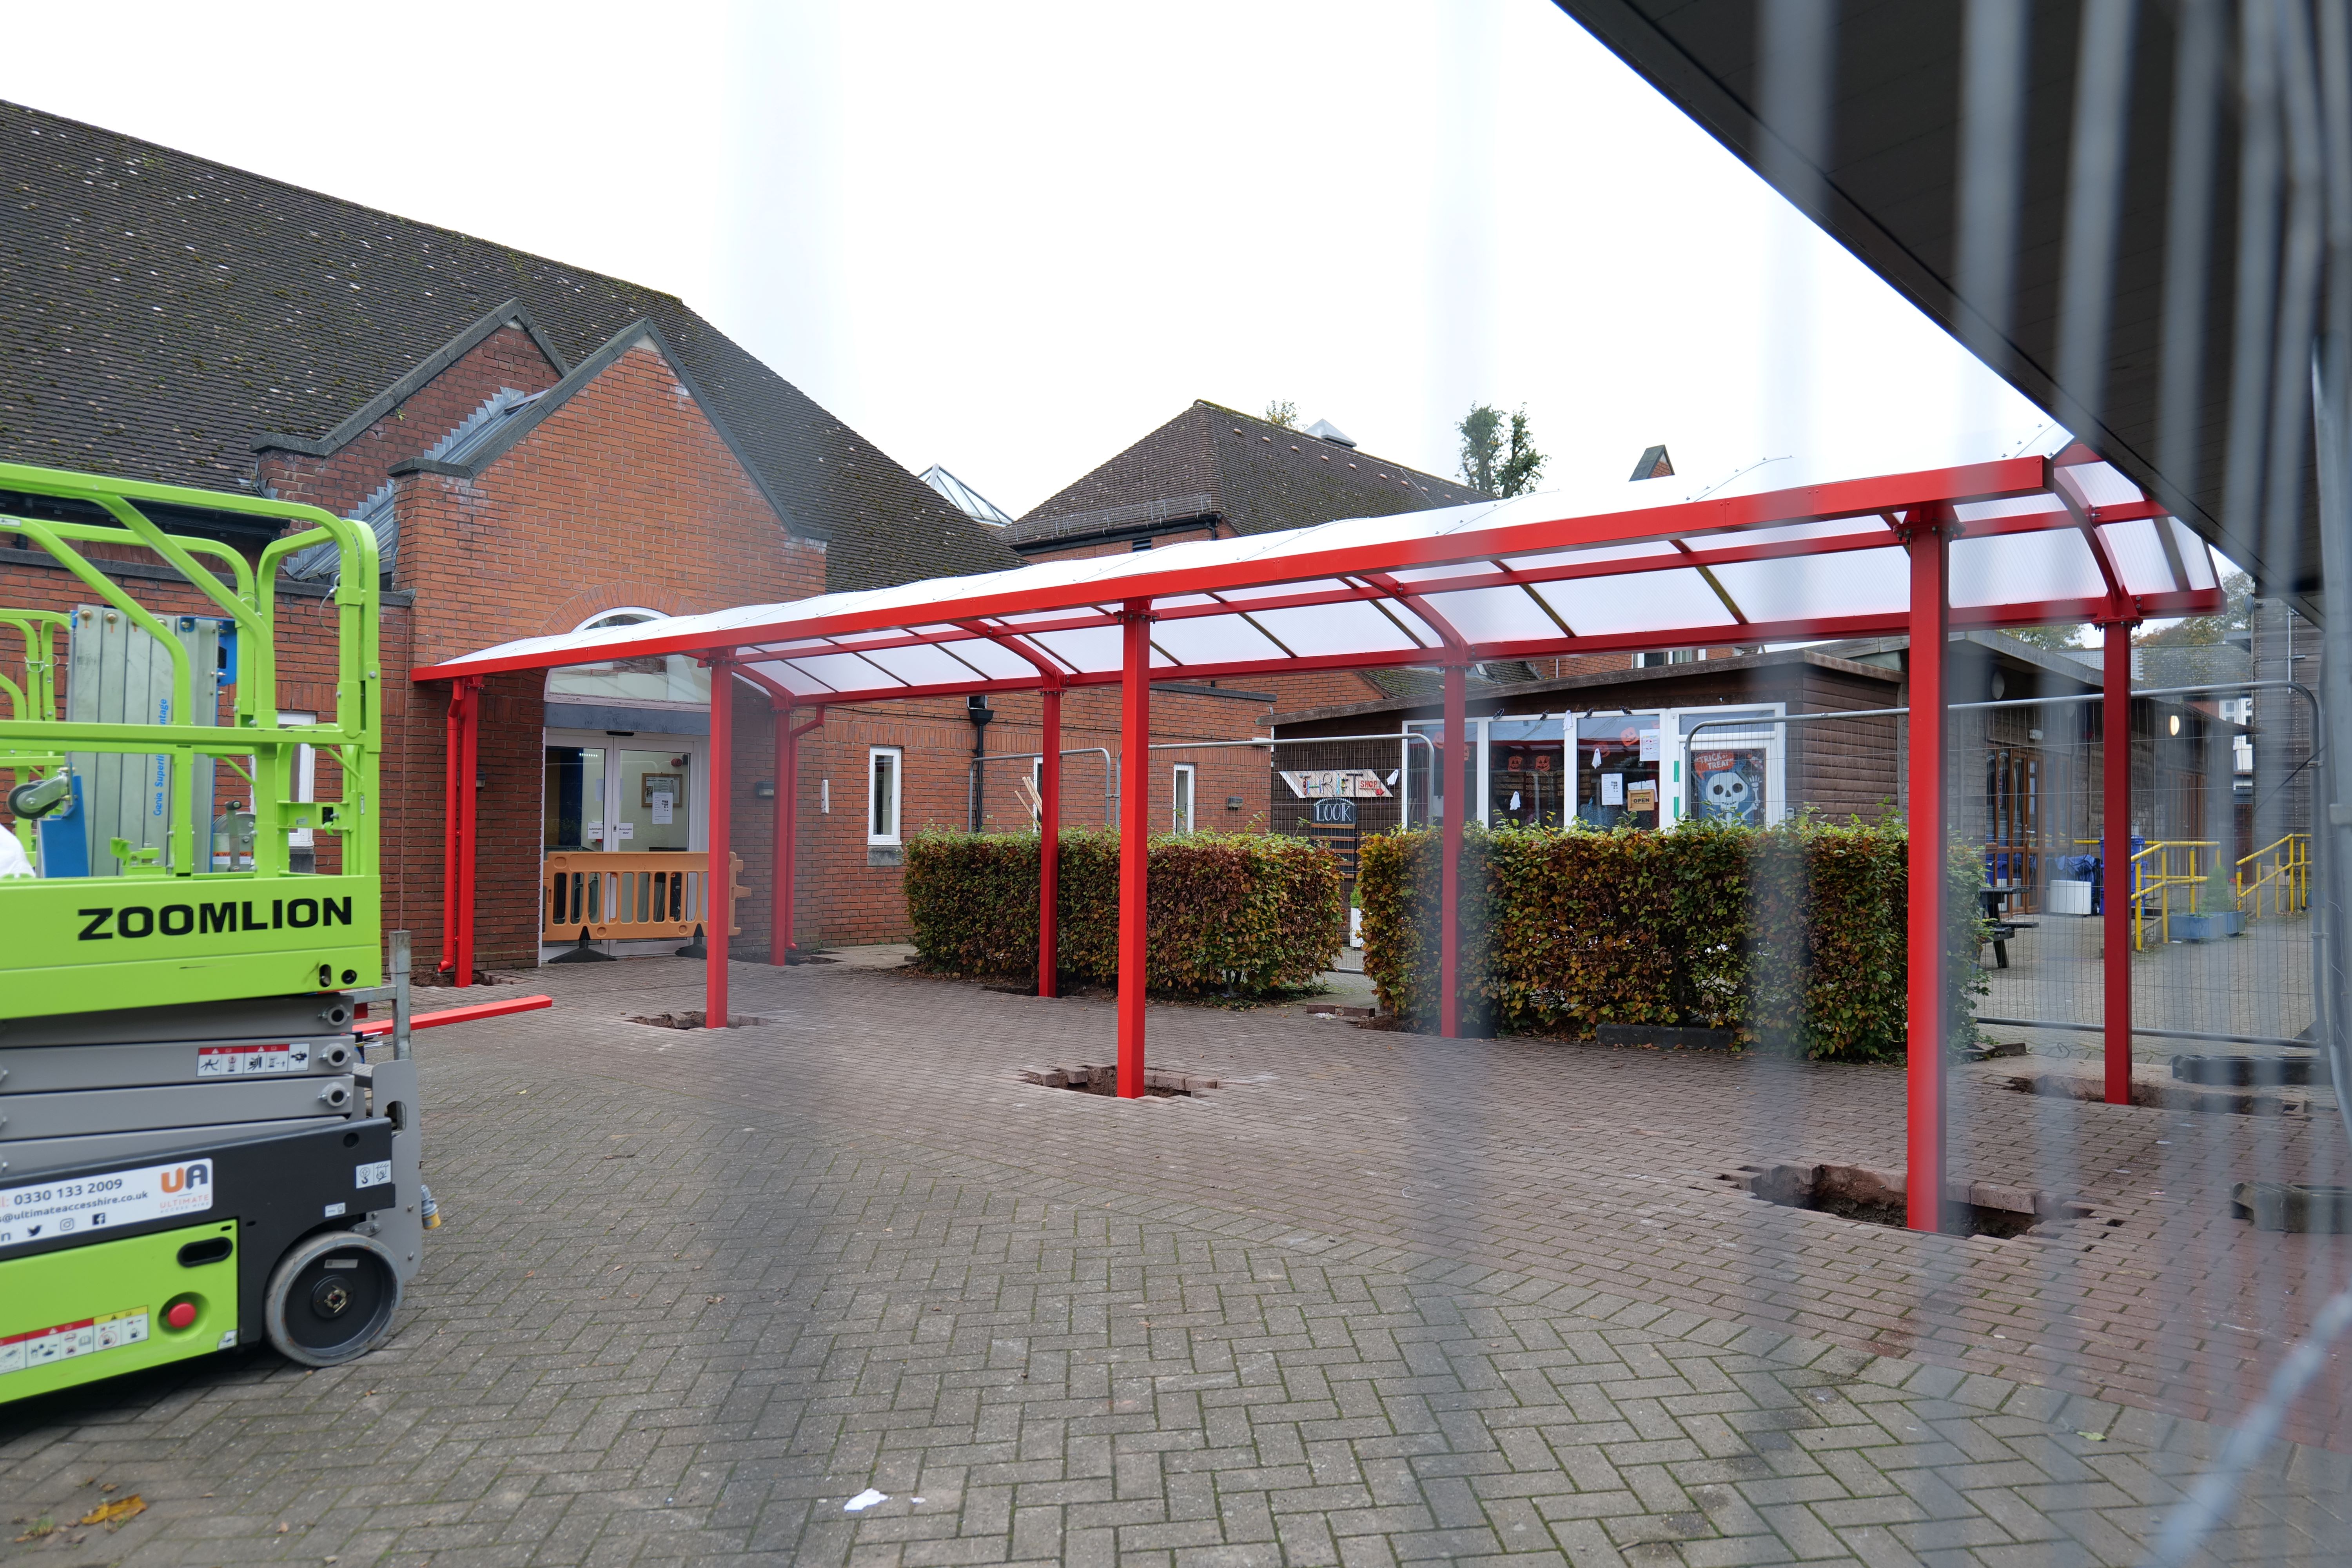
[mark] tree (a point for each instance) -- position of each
(2057, 639)
(2236, 615)
(1500, 462)
(1283, 412)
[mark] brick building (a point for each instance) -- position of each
(537, 448)
(1213, 472)
(2025, 780)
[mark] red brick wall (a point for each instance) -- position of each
(507, 357)
(840, 898)
(1314, 688)
(627, 495)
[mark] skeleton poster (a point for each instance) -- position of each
(1728, 786)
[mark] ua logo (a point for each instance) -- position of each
(188, 1176)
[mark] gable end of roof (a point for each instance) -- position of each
(641, 330)
(362, 419)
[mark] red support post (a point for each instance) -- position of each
(1927, 532)
(2116, 896)
(1450, 772)
(1049, 840)
(719, 878)
(468, 710)
(788, 772)
(451, 748)
(1134, 839)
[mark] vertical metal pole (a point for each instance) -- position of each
(719, 878)
(1448, 775)
(1924, 1136)
(469, 795)
(2115, 895)
(1049, 840)
(788, 776)
(1134, 840)
(400, 1002)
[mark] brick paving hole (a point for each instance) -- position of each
(692, 1020)
(1087, 1078)
(1876, 1197)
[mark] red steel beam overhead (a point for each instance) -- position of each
(1052, 589)
(1516, 577)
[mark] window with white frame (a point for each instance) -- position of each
(1183, 798)
(884, 768)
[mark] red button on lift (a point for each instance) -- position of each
(180, 1314)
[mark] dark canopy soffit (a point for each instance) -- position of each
(1888, 190)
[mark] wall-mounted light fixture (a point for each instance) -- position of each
(481, 779)
(2176, 723)
(764, 790)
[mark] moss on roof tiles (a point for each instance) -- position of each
(111, 238)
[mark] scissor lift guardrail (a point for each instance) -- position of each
(194, 1151)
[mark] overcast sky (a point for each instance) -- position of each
(1012, 238)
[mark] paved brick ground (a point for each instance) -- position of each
(1393, 1300)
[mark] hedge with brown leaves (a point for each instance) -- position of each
(1791, 936)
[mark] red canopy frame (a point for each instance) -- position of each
(2026, 541)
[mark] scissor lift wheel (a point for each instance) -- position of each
(332, 1298)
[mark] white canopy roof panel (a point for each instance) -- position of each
(1776, 555)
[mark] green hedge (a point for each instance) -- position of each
(1792, 935)
(1271, 909)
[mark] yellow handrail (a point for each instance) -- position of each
(2153, 875)
(2287, 875)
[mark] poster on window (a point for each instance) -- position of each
(1728, 786)
(1337, 784)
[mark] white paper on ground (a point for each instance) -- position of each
(864, 1501)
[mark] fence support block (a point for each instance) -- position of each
(2115, 895)
(719, 880)
(1049, 838)
(1134, 839)
(1927, 533)
(1450, 773)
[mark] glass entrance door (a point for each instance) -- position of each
(614, 794)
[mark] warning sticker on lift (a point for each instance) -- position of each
(46, 1210)
(237, 1061)
(66, 1341)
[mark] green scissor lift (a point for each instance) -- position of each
(195, 1151)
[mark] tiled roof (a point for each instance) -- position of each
(158, 311)
(1257, 476)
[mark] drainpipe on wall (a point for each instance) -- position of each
(976, 708)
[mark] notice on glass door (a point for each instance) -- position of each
(1612, 789)
(661, 808)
